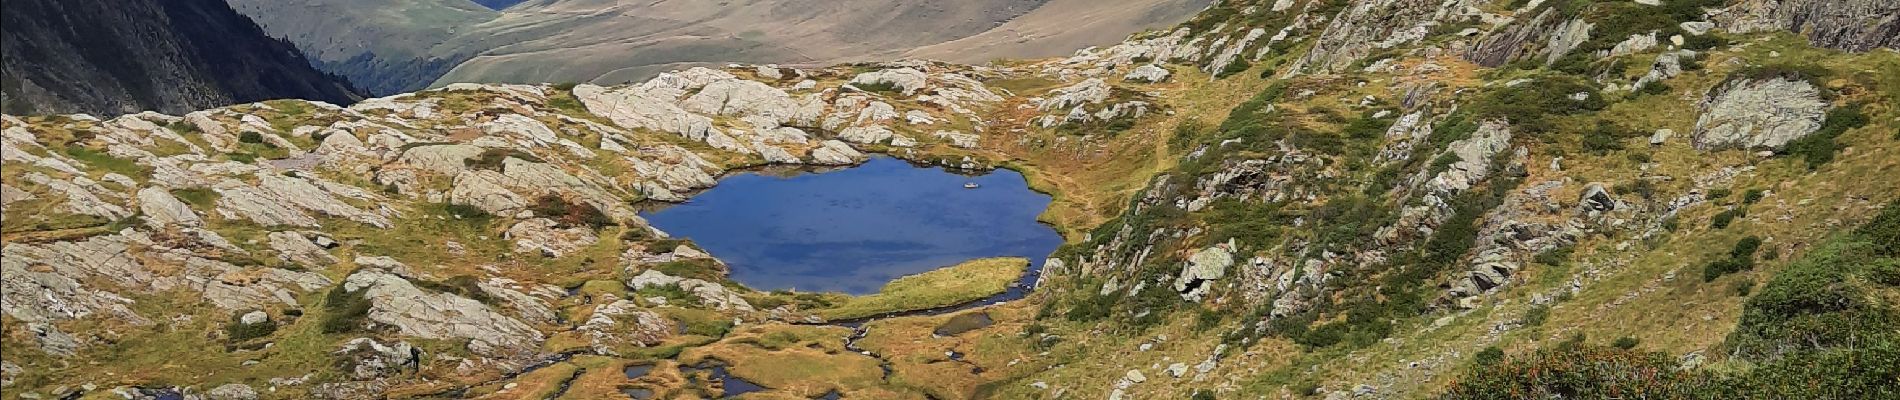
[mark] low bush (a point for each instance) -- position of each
(1723, 219)
(1606, 137)
(460, 285)
(1820, 147)
(1741, 258)
(1537, 315)
(1883, 232)
(879, 87)
(344, 311)
(1577, 371)
(569, 213)
(1238, 66)
(1625, 343)
(239, 331)
(1753, 196)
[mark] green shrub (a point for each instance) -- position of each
(1702, 42)
(1883, 232)
(250, 137)
(1653, 89)
(888, 88)
(184, 128)
(239, 331)
(493, 159)
(1577, 371)
(464, 211)
(1885, 272)
(1720, 193)
(1186, 133)
(1367, 127)
(1742, 287)
(1820, 147)
(1532, 106)
(1606, 137)
(569, 213)
(1746, 247)
(1537, 315)
(1238, 66)
(1741, 258)
(1640, 187)
(1490, 355)
(1090, 308)
(1723, 219)
(1556, 256)
(460, 285)
(1817, 303)
(1625, 343)
(1753, 196)
(1821, 328)
(344, 311)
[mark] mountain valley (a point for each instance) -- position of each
(1327, 199)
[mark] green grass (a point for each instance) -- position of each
(969, 281)
(202, 199)
(108, 163)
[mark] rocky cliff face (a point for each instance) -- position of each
(1852, 25)
(111, 58)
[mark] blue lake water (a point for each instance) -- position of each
(853, 230)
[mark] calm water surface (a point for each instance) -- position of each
(853, 230)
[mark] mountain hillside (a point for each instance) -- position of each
(412, 44)
(110, 58)
(498, 4)
(1328, 199)
(385, 46)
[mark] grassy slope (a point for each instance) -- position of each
(1630, 287)
(956, 284)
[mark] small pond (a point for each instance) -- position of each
(854, 229)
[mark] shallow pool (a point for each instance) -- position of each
(854, 229)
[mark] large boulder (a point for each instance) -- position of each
(743, 97)
(447, 159)
(710, 293)
(1205, 265)
(295, 248)
(365, 358)
(907, 80)
(866, 134)
(544, 236)
(231, 391)
(1147, 73)
(161, 209)
(639, 107)
(624, 322)
(414, 312)
(832, 152)
(50, 282)
(1758, 114)
(1090, 91)
(1851, 25)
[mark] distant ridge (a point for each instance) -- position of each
(124, 56)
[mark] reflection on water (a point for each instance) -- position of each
(637, 371)
(716, 373)
(854, 229)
